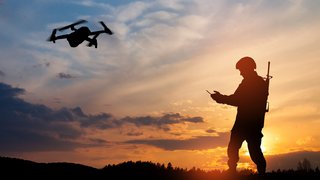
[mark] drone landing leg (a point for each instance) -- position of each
(92, 41)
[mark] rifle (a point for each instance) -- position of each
(268, 77)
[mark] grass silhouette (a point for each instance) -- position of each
(13, 168)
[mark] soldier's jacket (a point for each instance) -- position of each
(250, 98)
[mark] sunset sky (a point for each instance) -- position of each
(141, 94)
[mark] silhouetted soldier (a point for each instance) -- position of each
(250, 98)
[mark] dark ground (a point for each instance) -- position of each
(13, 168)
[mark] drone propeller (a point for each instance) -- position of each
(106, 29)
(72, 25)
(53, 36)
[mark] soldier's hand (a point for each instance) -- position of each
(217, 96)
(217, 92)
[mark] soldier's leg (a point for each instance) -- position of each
(235, 143)
(256, 154)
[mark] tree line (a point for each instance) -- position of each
(140, 170)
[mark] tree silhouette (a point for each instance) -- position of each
(305, 165)
(141, 170)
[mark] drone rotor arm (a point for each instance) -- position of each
(106, 29)
(71, 26)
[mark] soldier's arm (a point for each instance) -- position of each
(232, 99)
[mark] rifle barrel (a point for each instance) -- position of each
(268, 69)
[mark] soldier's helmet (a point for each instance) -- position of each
(246, 63)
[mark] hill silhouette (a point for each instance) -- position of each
(139, 170)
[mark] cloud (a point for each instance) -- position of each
(2, 73)
(100, 121)
(46, 64)
(211, 131)
(107, 121)
(161, 122)
(195, 143)
(131, 11)
(134, 133)
(288, 160)
(62, 75)
(8, 92)
(36, 127)
(17, 140)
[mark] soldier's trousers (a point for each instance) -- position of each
(254, 142)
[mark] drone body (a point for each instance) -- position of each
(79, 35)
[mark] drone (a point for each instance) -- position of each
(79, 35)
